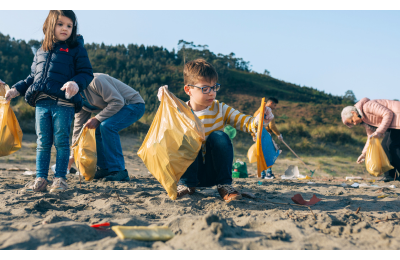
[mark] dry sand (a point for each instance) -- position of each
(201, 221)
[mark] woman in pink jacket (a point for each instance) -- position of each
(381, 118)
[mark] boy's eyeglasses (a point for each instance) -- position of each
(207, 89)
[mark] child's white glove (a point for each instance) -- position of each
(2, 82)
(280, 138)
(70, 88)
(160, 92)
(11, 93)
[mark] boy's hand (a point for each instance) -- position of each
(70, 88)
(160, 92)
(11, 93)
(92, 123)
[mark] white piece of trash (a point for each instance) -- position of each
(355, 185)
(29, 173)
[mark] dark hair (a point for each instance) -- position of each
(50, 24)
(275, 100)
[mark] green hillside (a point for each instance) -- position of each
(308, 118)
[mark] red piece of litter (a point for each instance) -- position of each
(298, 199)
(66, 50)
(105, 224)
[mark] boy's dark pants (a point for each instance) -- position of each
(218, 165)
(391, 145)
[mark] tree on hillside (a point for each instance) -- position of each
(349, 97)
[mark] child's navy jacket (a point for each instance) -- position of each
(52, 69)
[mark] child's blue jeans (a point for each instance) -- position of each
(218, 164)
(53, 125)
(109, 149)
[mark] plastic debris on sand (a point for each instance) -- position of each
(298, 199)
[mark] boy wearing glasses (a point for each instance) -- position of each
(213, 165)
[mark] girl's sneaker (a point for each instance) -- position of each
(59, 184)
(38, 184)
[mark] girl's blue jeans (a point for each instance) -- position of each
(53, 125)
(108, 143)
(218, 165)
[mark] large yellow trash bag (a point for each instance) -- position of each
(10, 131)
(252, 153)
(85, 153)
(376, 160)
(172, 143)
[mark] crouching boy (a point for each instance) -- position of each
(213, 165)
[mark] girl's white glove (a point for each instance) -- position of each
(2, 82)
(160, 92)
(70, 88)
(11, 93)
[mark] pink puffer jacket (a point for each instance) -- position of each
(381, 113)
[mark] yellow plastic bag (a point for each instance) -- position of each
(144, 233)
(85, 153)
(376, 160)
(252, 153)
(172, 143)
(10, 131)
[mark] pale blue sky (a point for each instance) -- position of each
(332, 51)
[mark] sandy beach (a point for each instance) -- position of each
(201, 221)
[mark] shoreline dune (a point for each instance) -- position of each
(201, 221)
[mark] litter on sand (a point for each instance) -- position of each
(353, 178)
(310, 182)
(105, 224)
(343, 184)
(365, 185)
(144, 233)
(29, 173)
(383, 196)
(298, 199)
(305, 178)
(355, 185)
(292, 172)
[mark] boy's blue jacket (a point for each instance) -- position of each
(52, 69)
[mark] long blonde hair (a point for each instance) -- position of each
(49, 27)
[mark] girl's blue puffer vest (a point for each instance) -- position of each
(52, 69)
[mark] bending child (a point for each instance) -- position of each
(213, 165)
(271, 128)
(60, 69)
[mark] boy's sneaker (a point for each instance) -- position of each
(269, 176)
(182, 190)
(38, 184)
(59, 184)
(228, 193)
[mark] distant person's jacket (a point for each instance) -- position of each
(52, 69)
(380, 113)
(105, 96)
